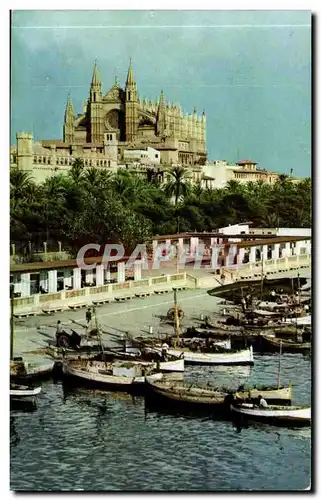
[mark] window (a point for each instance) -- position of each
(156, 156)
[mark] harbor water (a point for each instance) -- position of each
(79, 439)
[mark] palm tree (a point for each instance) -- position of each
(178, 185)
(20, 182)
(197, 190)
(234, 187)
(77, 170)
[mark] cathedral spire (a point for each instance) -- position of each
(68, 128)
(96, 76)
(161, 118)
(69, 112)
(161, 104)
(130, 82)
(95, 87)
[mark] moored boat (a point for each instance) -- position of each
(115, 375)
(184, 392)
(273, 345)
(23, 392)
(22, 371)
(228, 358)
(275, 414)
(273, 395)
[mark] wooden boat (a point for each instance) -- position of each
(272, 395)
(273, 345)
(205, 356)
(228, 358)
(255, 287)
(184, 392)
(22, 371)
(295, 415)
(23, 392)
(120, 375)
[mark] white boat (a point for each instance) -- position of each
(243, 357)
(22, 392)
(116, 375)
(275, 414)
(177, 365)
(302, 320)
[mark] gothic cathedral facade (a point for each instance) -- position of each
(180, 138)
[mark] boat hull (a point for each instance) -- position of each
(20, 372)
(244, 357)
(272, 344)
(187, 394)
(19, 393)
(278, 415)
(105, 381)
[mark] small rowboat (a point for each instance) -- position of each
(295, 415)
(271, 395)
(121, 375)
(273, 345)
(183, 392)
(23, 392)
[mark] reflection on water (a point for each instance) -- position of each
(102, 441)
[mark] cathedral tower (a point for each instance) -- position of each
(68, 129)
(96, 132)
(161, 116)
(131, 106)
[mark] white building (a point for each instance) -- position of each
(147, 156)
(243, 171)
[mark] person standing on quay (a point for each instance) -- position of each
(88, 316)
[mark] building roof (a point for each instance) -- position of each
(246, 162)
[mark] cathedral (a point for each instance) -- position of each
(117, 130)
(137, 123)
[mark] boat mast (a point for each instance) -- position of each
(176, 320)
(279, 371)
(98, 331)
(262, 271)
(11, 320)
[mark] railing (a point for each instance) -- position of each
(178, 277)
(193, 279)
(75, 293)
(161, 279)
(121, 286)
(99, 289)
(23, 301)
(138, 283)
(47, 297)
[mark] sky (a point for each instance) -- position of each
(249, 70)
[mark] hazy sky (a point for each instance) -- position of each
(249, 70)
